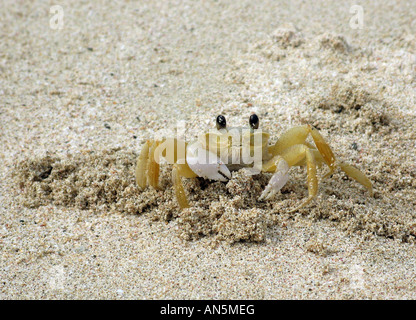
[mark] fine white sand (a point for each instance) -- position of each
(77, 103)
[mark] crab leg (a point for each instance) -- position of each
(147, 167)
(357, 175)
(179, 190)
(298, 135)
(316, 154)
(280, 165)
(295, 135)
(323, 148)
(141, 174)
(292, 156)
(153, 166)
(329, 159)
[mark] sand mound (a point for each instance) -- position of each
(362, 109)
(93, 180)
(104, 181)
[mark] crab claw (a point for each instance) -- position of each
(206, 164)
(277, 181)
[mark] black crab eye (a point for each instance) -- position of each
(254, 121)
(221, 123)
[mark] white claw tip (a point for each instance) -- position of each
(213, 169)
(277, 181)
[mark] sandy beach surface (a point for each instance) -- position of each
(82, 86)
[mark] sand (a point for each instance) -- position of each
(77, 103)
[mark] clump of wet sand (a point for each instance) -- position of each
(105, 181)
(93, 180)
(227, 211)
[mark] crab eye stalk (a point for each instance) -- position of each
(254, 121)
(221, 123)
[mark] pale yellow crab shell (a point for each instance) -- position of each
(231, 141)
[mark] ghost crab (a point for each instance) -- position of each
(218, 152)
